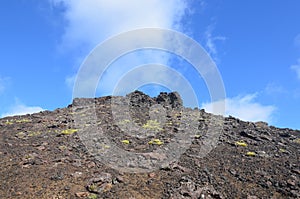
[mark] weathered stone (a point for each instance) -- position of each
(54, 166)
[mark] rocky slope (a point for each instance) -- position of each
(142, 147)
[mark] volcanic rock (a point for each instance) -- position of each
(142, 147)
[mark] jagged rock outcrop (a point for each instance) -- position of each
(45, 155)
(139, 99)
(172, 99)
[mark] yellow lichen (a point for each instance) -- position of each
(21, 135)
(169, 123)
(282, 150)
(125, 141)
(28, 156)
(22, 121)
(69, 131)
(93, 187)
(197, 136)
(62, 147)
(251, 153)
(8, 122)
(177, 114)
(156, 142)
(152, 125)
(241, 143)
(34, 134)
(297, 141)
(92, 196)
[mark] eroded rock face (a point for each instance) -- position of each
(43, 156)
(139, 99)
(172, 99)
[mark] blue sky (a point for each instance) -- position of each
(255, 45)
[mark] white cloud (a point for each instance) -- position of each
(296, 68)
(92, 21)
(21, 109)
(273, 89)
(211, 40)
(245, 108)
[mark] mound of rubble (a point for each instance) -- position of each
(142, 147)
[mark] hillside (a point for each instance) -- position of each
(142, 147)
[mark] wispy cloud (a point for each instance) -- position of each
(3, 83)
(274, 89)
(21, 109)
(296, 68)
(246, 108)
(211, 40)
